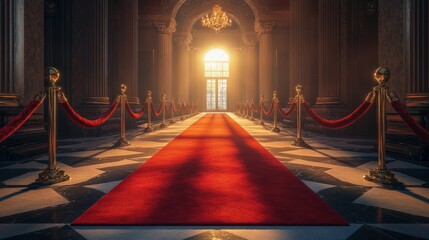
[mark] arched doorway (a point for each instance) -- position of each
(216, 74)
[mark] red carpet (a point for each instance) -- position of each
(214, 173)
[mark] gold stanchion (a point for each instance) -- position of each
(122, 98)
(251, 111)
(381, 174)
(172, 111)
(148, 102)
(182, 111)
(52, 174)
(163, 106)
(299, 98)
(261, 105)
(276, 104)
(247, 110)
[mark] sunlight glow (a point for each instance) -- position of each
(216, 55)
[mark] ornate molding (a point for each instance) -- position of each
(264, 27)
(183, 39)
(167, 27)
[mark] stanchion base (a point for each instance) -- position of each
(182, 118)
(122, 142)
(163, 125)
(381, 175)
(148, 129)
(275, 129)
(261, 123)
(251, 119)
(172, 122)
(299, 142)
(51, 176)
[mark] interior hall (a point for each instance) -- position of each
(214, 119)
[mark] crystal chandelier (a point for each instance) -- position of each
(217, 19)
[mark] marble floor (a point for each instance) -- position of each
(331, 167)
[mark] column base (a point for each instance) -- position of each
(122, 142)
(51, 176)
(381, 175)
(275, 129)
(299, 142)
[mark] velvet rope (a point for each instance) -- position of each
(267, 113)
(84, 122)
(132, 114)
(254, 108)
(343, 122)
(286, 113)
(417, 128)
(21, 118)
(171, 108)
(157, 113)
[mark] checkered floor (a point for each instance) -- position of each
(331, 167)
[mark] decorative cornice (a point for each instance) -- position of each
(264, 27)
(183, 39)
(165, 27)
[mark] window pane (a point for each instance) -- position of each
(221, 90)
(211, 94)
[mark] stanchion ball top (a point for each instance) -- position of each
(382, 75)
(52, 74)
(298, 88)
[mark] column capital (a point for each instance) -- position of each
(264, 27)
(167, 27)
(183, 39)
(248, 41)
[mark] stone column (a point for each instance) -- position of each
(329, 52)
(264, 30)
(90, 45)
(181, 79)
(165, 81)
(123, 47)
(251, 71)
(417, 57)
(303, 47)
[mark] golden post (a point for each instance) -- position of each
(172, 111)
(163, 106)
(261, 105)
(276, 104)
(52, 174)
(251, 110)
(381, 174)
(148, 102)
(122, 98)
(299, 98)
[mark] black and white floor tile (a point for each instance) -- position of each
(331, 167)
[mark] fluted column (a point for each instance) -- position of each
(90, 58)
(251, 71)
(264, 30)
(123, 47)
(181, 80)
(417, 44)
(303, 47)
(329, 52)
(6, 46)
(165, 42)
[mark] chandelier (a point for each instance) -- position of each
(217, 19)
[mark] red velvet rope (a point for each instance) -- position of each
(133, 114)
(343, 122)
(254, 108)
(419, 130)
(87, 123)
(156, 114)
(20, 119)
(286, 113)
(172, 107)
(267, 113)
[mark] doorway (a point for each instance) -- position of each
(216, 73)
